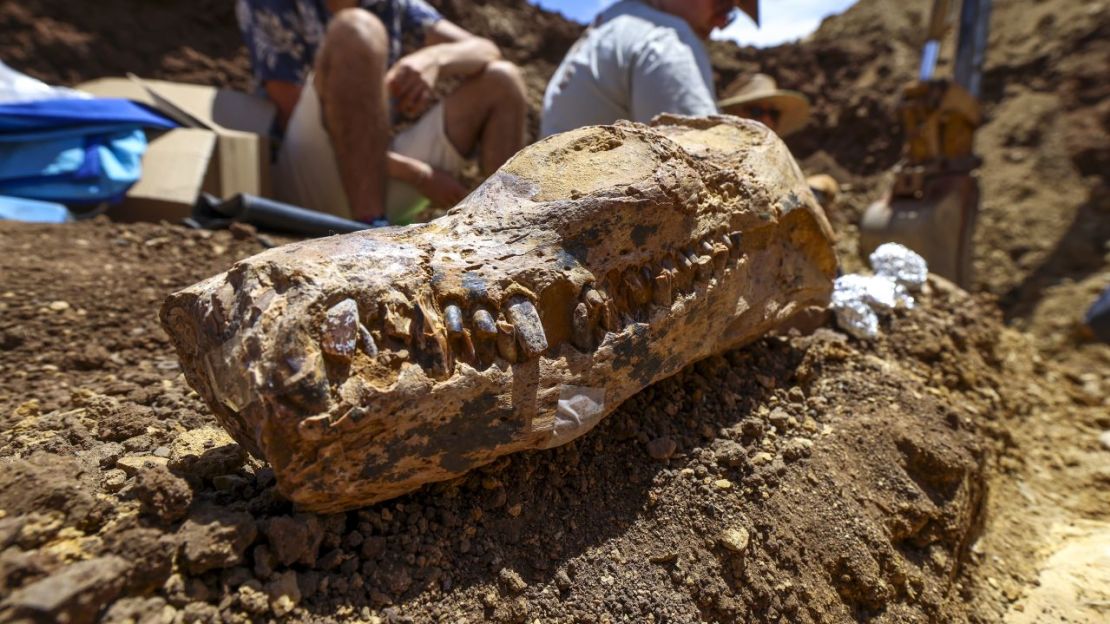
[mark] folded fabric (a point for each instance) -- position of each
(76, 169)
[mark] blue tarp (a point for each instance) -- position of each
(73, 151)
(17, 120)
(32, 211)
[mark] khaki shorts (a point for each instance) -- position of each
(306, 174)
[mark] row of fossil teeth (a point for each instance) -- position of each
(519, 334)
(596, 313)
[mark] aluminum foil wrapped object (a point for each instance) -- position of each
(857, 301)
(900, 264)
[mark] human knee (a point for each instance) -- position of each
(354, 31)
(506, 79)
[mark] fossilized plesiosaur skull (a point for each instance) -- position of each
(592, 264)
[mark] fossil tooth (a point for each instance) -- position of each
(436, 402)
(661, 295)
(340, 338)
(506, 341)
(637, 290)
(736, 238)
(720, 256)
(705, 267)
(687, 261)
(469, 353)
(707, 248)
(484, 325)
(602, 308)
(366, 341)
(397, 315)
(726, 241)
(684, 273)
(525, 318)
(302, 379)
(607, 317)
(594, 298)
(581, 331)
(432, 339)
(452, 317)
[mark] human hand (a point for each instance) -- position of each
(441, 188)
(411, 82)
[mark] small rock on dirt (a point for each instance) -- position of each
(294, 538)
(75, 594)
(252, 599)
(730, 453)
(797, 448)
(734, 539)
(284, 593)
(200, 613)
(779, 419)
(215, 538)
(1104, 439)
(762, 457)
(242, 231)
(149, 552)
(206, 452)
(662, 449)
(162, 493)
(132, 465)
(512, 580)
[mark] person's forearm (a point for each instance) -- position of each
(462, 58)
(407, 169)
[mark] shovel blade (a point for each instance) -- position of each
(939, 225)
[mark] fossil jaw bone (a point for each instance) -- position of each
(365, 365)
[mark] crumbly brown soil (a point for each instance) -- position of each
(951, 471)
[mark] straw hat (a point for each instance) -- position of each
(761, 90)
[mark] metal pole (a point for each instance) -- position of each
(971, 51)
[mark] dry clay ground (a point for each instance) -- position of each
(950, 471)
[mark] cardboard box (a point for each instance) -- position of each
(237, 162)
(177, 167)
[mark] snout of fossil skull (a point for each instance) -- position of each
(583, 161)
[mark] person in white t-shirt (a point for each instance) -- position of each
(638, 59)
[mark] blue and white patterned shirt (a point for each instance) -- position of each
(282, 36)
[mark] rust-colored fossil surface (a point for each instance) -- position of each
(593, 264)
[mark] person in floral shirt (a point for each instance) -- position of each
(334, 71)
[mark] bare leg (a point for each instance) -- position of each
(350, 79)
(489, 109)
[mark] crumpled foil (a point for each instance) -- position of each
(900, 264)
(857, 301)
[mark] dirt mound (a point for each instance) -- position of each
(951, 471)
(809, 478)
